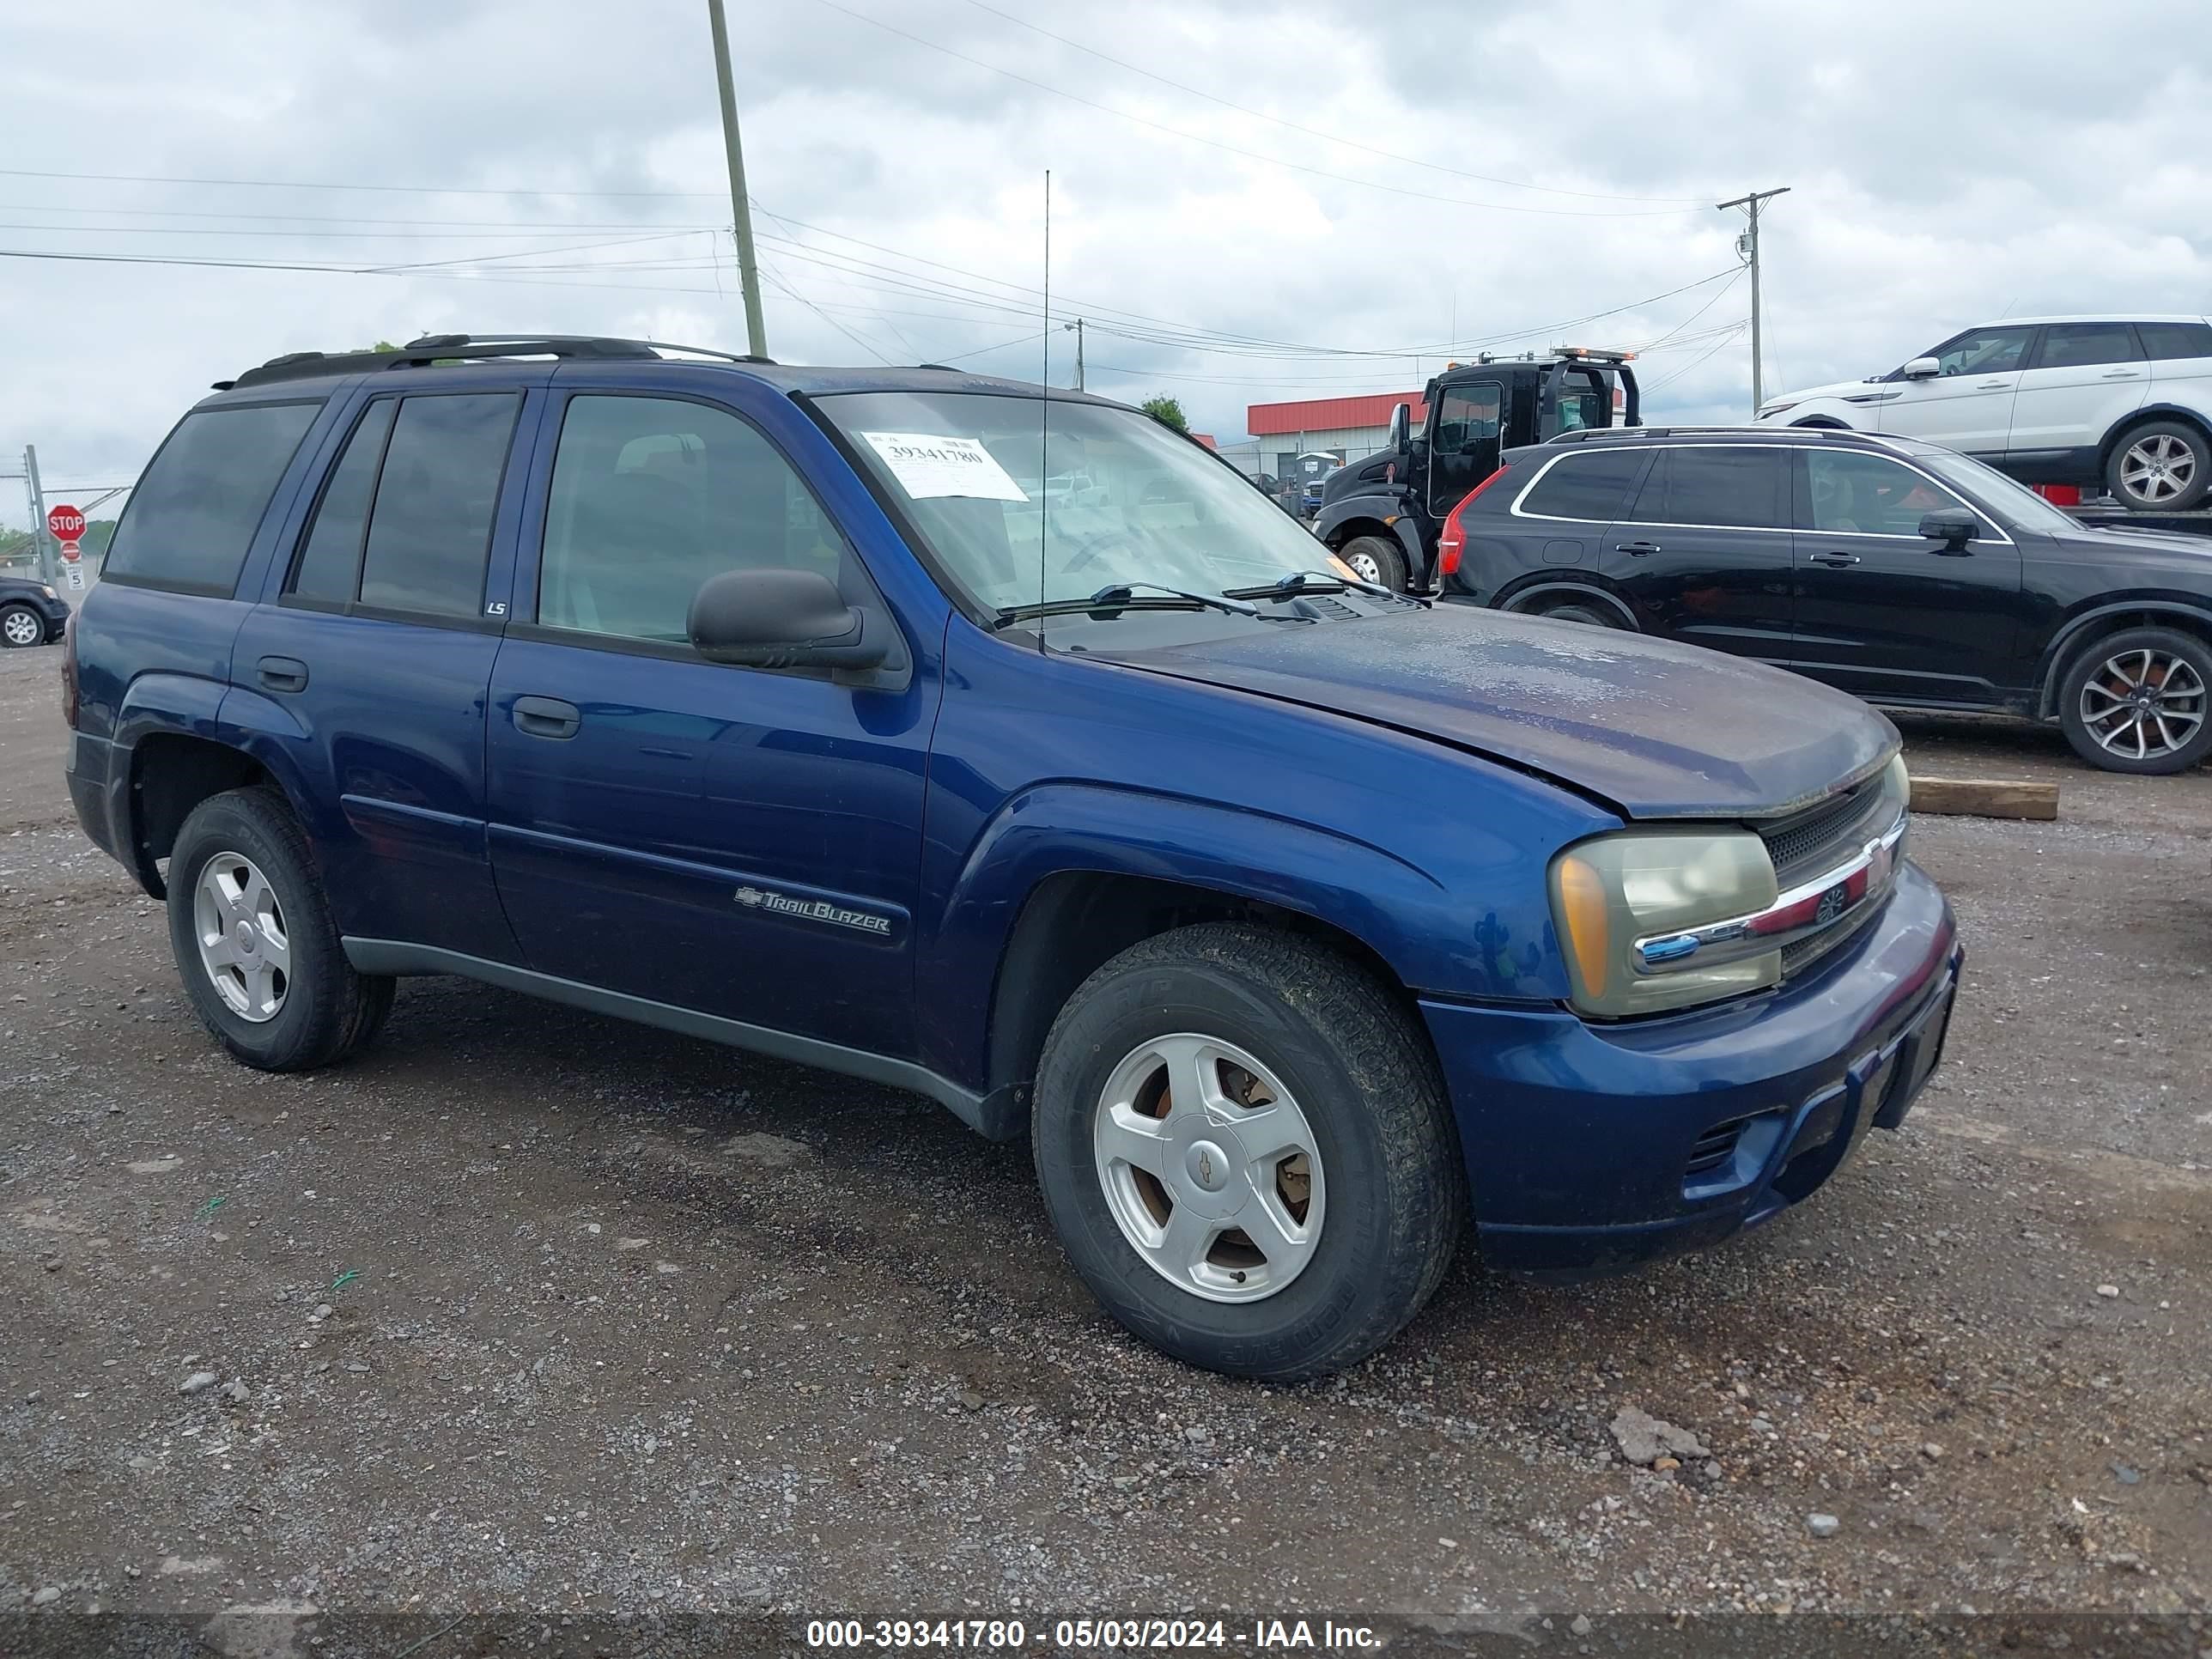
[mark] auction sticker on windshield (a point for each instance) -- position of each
(927, 467)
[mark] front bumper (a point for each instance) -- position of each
(1592, 1148)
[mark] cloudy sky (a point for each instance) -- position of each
(1250, 201)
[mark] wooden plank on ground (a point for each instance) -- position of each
(1985, 798)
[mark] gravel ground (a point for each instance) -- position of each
(528, 1310)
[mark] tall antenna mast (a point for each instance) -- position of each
(1044, 425)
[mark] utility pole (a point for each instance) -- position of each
(748, 270)
(1748, 246)
(45, 540)
(1077, 327)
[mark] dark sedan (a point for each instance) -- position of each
(31, 613)
(1891, 567)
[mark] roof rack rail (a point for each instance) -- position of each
(465, 348)
(1837, 433)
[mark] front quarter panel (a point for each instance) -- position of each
(1049, 763)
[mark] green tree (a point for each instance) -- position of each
(1167, 411)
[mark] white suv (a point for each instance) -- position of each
(2123, 401)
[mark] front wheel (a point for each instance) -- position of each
(1373, 559)
(1243, 1144)
(2136, 701)
(21, 626)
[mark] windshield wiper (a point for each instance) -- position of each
(1123, 596)
(1313, 582)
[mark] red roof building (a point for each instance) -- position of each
(1319, 415)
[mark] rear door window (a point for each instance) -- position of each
(1590, 485)
(430, 533)
(193, 515)
(329, 568)
(1722, 486)
(2082, 345)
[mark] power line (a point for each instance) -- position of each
(1234, 150)
(1735, 333)
(550, 225)
(344, 235)
(1315, 132)
(404, 190)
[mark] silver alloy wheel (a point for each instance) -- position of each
(2143, 703)
(1364, 566)
(2157, 467)
(241, 929)
(1210, 1169)
(23, 629)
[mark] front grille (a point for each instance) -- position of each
(1714, 1149)
(1824, 835)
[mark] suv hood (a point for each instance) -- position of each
(1655, 729)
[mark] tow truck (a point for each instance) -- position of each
(1380, 513)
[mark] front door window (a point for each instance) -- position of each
(1463, 441)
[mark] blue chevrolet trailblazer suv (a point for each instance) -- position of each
(1298, 924)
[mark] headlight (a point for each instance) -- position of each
(1776, 409)
(1611, 892)
(47, 588)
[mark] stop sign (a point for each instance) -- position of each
(66, 523)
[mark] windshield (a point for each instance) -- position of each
(2013, 502)
(1016, 516)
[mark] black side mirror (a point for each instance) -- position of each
(1954, 526)
(1402, 427)
(783, 619)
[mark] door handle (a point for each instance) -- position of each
(547, 717)
(1835, 560)
(282, 673)
(1636, 549)
(2122, 373)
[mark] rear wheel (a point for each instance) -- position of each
(1374, 559)
(1579, 611)
(1243, 1144)
(20, 626)
(254, 942)
(2165, 467)
(2137, 701)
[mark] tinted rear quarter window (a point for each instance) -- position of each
(1591, 484)
(430, 533)
(1723, 485)
(2164, 342)
(193, 515)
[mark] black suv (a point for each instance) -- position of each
(1894, 568)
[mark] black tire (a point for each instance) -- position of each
(1388, 560)
(2183, 465)
(327, 1010)
(1579, 611)
(1366, 1082)
(2172, 654)
(21, 626)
